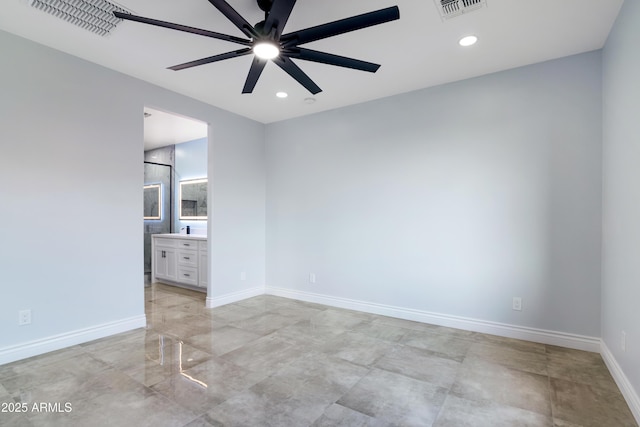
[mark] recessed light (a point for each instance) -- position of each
(266, 50)
(468, 41)
(309, 100)
(282, 94)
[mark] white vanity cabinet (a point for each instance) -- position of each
(180, 259)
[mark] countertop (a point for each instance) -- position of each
(181, 236)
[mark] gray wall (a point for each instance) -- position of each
(237, 210)
(58, 115)
(452, 199)
(621, 193)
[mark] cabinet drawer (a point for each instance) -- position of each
(188, 275)
(165, 242)
(188, 257)
(187, 244)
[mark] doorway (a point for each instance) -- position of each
(175, 148)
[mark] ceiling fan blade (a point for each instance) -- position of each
(184, 28)
(292, 69)
(341, 26)
(331, 59)
(210, 59)
(254, 74)
(233, 16)
(278, 16)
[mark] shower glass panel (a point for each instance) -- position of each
(157, 175)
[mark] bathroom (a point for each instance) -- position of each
(175, 159)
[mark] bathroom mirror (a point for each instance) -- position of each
(152, 201)
(193, 199)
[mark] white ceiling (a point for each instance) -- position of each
(162, 128)
(417, 51)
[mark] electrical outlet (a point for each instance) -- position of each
(517, 304)
(312, 277)
(24, 317)
(243, 276)
(623, 341)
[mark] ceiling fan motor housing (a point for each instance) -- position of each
(265, 5)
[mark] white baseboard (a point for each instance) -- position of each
(217, 301)
(578, 342)
(79, 336)
(629, 393)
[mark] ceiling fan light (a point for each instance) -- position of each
(468, 41)
(266, 50)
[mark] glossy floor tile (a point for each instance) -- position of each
(270, 361)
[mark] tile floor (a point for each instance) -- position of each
(270, 361)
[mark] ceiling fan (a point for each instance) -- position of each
(267, 41)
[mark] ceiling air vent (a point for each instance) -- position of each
(451, 8)
(92, 15)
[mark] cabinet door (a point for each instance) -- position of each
(172, 267)
(203, 270)
(165, 263)
(159, 264)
